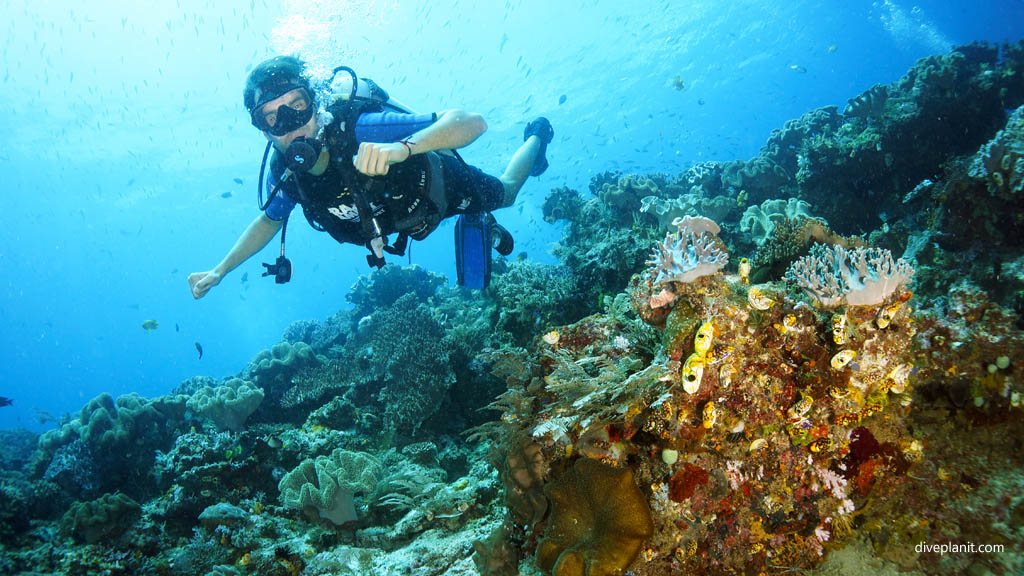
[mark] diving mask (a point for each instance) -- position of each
(294, 112)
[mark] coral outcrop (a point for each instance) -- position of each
(329, 484)
(106, 517)
(694, 250)
(227, 406)
(832, 275)
(599, 519)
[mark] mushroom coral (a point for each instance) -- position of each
(599, 520)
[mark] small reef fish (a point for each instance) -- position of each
(758, 300)
(150, 325)
(798, 68)
(678, 83)
(842, 358)
(551, 338)
(5, 401)
(199, 348)
(245, 277)
(744, 270)
(885, 315)
(238, 181)
(562, 99)
(226, 195)
(176, 329)
(273, 441)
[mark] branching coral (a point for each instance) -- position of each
(832, 275)
(689, 253)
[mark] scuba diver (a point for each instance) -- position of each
(364, 168)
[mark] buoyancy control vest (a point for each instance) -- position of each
(355, 208)
(344, 202)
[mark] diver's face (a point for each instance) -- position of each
(297, 100)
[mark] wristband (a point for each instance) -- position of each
(408, 146)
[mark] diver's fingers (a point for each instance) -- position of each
(200, 282)
(382, 161)
(361, 159)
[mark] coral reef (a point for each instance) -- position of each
(598, 521)
(1000, 162)
(106, 517)
(694, 250)
(761, 221)
(227, 406)
(832, 275)
(329, 484)
(641, 418)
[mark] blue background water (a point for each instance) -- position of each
(123, 127)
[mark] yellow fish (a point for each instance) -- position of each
(150, 325)
(702, 341)
(551, 338)
(693, 371)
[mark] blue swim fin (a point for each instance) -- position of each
(473, 251)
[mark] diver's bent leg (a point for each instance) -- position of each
(519, 169)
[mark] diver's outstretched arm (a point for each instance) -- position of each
(255, 237)
(454, 129)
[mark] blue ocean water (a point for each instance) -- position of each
(125, 141)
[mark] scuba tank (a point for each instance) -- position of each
(350, 87)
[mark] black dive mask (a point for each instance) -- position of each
(289, 119)
(302, 154)
(285, 119)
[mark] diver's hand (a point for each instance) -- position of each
(374, 158)
(201, 282)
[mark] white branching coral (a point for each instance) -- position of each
(832, 275)
(835, 483)
(691, 252)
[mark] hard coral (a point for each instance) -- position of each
(599, 520)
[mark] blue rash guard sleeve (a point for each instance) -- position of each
(390, 126)
(281, 204)
(371, 127)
